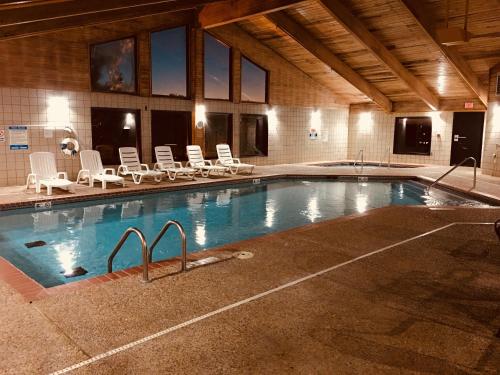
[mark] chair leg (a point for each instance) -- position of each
(104, 184)
(49, 190)
(136, 181)
(91, 181)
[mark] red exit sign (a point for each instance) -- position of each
(469, 105)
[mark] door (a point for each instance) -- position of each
(467, 137)
(113, 128)
(172, 128)
(219, 129)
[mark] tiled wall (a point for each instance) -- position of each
(374, 133)
(288, 127)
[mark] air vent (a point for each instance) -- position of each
(498, 85)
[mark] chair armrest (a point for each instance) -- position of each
(145, 166)
(63, 174)
(178, 164)
(112, 170)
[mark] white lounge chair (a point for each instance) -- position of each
(234, 164)
(165, 163)
(93, 170)
(131, 165)
(202, 166)
(44, 173)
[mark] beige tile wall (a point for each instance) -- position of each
(288, 133)
(374, 133)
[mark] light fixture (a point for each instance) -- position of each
(200, 115)
(365, 122)
(129, 121)
(58, 112)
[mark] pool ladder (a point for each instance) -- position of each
(147, 253)
(361, 157)
(452, 169)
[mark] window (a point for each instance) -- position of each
(412, 135)
(171, 128)
(217, 73)
(169, 62)
(112, 66)
(253, 82)
(253, 135)
(113, 128)
(219, 129)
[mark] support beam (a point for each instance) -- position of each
(338, 11)
(39, 19)
(218, 14)
(310, 43)
(420, 15)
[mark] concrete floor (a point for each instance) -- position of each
(430, 305)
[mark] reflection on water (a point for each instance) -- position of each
(85, 234)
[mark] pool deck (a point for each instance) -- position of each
(393, 290)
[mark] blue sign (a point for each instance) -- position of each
(18, 136)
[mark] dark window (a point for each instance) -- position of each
(253, 82)
(169, 62)
(253, 135)
(171, 128)
(219, 129)
(113, 128)
(217, 69)
(412, 135)
(112, 66)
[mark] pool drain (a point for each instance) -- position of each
(243, 255)
(29, 245)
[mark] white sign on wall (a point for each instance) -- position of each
(2, 136)
(18, 137)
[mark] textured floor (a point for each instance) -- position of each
(431, 305)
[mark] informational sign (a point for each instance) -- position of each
(18, 137)
(469, 105)
(2, 136)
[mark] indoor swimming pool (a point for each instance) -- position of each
(47, 244)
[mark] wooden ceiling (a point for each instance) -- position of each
(380, 51)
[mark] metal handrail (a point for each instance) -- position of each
(144, 247)
(361, 155)
(183, 237)
(388, 158)
(452, 169)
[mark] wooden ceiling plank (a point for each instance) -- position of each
(311, 44)
(222, 13)
(461, 66)
(352, 24)
(64, 23)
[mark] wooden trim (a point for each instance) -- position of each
(302, 36)
(224, 12)
(419, 14)
(357, 28)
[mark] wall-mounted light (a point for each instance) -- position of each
(129, 121)
(365, 123)
(200, 116)
(272, 120)
(58, 112)
(316, 120)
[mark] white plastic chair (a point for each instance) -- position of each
(131, 165)
(93, 170)
(202, 166)
(165, 163)
(44, 173)
(225, 158)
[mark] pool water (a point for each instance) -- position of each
(84, 234)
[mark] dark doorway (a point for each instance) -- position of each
(113, 128)
(467, 138)
(253, 135)
(171, 128)
(219, 129)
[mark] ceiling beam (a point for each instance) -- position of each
(301, 35)
(39, 19)
(218, 14)
(420, 15)
(352, 24)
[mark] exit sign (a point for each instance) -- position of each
(469, 105)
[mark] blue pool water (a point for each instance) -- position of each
(84, 234)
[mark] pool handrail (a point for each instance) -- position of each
(180, 228)
(452, 169)
(388, 158)
(144, 248)
(361, 155)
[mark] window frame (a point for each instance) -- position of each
(231, 52)
(189, 93)
(268, 74)
(395, 146)
(265, 154)
(136, 66)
